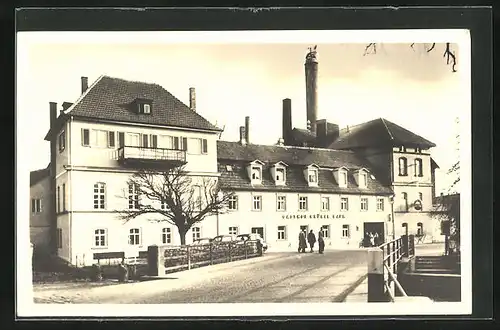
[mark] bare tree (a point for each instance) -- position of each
(175, 197)
(448, 53)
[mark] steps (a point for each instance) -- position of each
(436, 264)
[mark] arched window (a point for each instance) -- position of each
(420, 229)
(418, 167)
(405, 228)
(403, 166)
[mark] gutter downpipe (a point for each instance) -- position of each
(70, 190)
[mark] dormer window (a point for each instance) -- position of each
(144, 106)
(311, 174)
(255, 171)
(362, 178)
(341, 177)
(278, 173)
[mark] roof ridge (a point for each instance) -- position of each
(387, 128)
(288, 146)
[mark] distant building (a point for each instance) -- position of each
(372, 177)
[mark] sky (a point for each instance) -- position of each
(236, 77)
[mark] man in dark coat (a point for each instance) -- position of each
(311, 238)
(321, 242)
(302, 242)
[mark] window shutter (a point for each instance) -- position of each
(176, 142)
(184, 143)
(85, 137)
(145, 140)
(33, 205)
(204, 146)
(154, 141)
(111, 139)
(121, 139)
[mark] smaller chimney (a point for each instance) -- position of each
(242, 135)
(53, 113)
(85, 84)
(192, 99)
(281, 142)
(247, 130)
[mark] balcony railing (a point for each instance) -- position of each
(130, 153)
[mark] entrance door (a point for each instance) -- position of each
(258, 230)
(372, 228)
(305, 228)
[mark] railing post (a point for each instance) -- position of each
(411, 246)
(376, 291)
(155, 264)
(245, 247)
(211, 255)
(405, 247)
(230, 249)
(188, 256)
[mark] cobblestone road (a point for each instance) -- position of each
(289, 277)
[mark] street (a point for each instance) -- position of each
(277, 277)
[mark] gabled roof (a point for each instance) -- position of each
(300, 136)
(112, 99)
(297, 158)
(376, 133)
(38, 175)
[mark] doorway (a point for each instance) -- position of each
(305, 228)
(258, 230)
(374, 228)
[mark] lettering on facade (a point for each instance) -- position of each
(312, 216)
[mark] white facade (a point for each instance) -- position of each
(281, 225)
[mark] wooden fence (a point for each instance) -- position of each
(168, 259)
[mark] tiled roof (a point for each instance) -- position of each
(238, 156)
(300, 136)
(111, 99)
(38, 175)
(378, 132)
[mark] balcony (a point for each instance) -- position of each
(140, 156)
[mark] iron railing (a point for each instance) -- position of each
(148, 153)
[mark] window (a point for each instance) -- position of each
(197, 198)
(163, 205)
(196, 233)
(344, 204)
(134, 236)
(281, 233)
(405, 201)
(132, 140)
(325, 203)
(403, 166)
(85, 137)
(302, 203)
(232, 202)
(257, 203)
(313, 176)
(166, 236)
(346, 232)
(146, 109)
(404, 225)
(99, 138)
(64, 197)
(58, 199)
(420, 229)
(256, 175)
(342, 178)
(180, 143)
(363, 180)
(194, 146)
(418, 167)
(133, 197)
(36, 205)
(280, 174)
(100, 238)
(364, 204)
(59, 238)
(380, 204)
(62, 141)
(99, 195)
(111, 139)
(402, 149)
(233, 231)
(281, 203)
(326, 231)
(166, 141)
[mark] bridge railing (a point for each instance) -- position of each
(383, 262)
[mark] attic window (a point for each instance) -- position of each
(313, 176)
(342, 177)
(363, 179)
(144, 107)
(280, 174)
(256, 175)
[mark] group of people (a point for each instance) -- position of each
(311, 239)
(372, 239)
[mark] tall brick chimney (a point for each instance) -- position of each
(287, 122)
(242, 135)
(192, 99)
(85, 84)
(311, 71)
(247, 129)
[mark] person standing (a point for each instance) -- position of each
(311, 238)
(321, 242)
(302, 241)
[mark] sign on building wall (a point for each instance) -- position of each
(312, 216)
